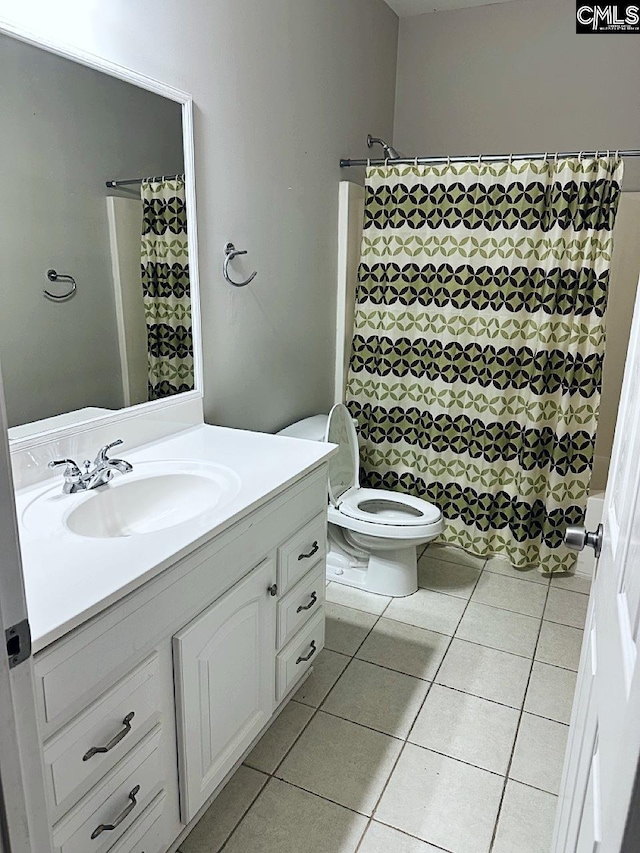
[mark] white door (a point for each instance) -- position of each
(22, 798)
(603, 754)
(225, 683)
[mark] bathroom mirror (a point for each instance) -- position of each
(98, 295)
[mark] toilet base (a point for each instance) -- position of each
(393, 572)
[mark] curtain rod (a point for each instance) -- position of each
(140, 180)
(485, 158)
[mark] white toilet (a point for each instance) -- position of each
(373, 534)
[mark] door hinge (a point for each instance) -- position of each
(18, 639)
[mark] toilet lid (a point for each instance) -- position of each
(344, 467)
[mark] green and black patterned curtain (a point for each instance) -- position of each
(166, 290)
(478, 345)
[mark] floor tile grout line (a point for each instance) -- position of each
(432, 680)
(546, 586)
(435, 675)
(431, 684)
(515, 740)
(515, 574)
(515, 577)
(469, 601)
(401, 738)
(245, 812)
(400, 832)
(297, 787)
(321, 796)
(393, 669)
(507, 609)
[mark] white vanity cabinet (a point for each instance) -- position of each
(146, 708)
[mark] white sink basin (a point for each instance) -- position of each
(153, 497)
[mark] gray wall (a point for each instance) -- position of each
(282, 90)
(515, 77)
(66, 129)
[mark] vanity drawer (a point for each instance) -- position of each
(301, 551)
(301, 603)
(149, 833)
(116, 801)
(296, 657)
(115, 722)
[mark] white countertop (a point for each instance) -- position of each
(70, 578)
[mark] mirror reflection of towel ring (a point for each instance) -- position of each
(230, 252)
(52, 275)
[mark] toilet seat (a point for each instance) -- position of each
(374, 511)
(407, 533)
(384, 507)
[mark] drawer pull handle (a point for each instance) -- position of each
(114, 741)
(314, 550)
(124, 814)
(310, 655)
(314, 598)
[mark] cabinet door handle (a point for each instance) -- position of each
(314, 598)
(314, 550)
(273, 589)
(114, 740)
(107, 827)
(310, 655)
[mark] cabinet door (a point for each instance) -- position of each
(225, 683)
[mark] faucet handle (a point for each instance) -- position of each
(71, 469)
(102, 453)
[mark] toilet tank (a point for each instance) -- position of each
(313, 428)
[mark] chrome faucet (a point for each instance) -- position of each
(102, 472)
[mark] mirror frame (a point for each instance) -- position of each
(187, 398)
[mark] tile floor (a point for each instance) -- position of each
(432, 723)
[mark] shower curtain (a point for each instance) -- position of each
(165, 284)
(477, 354)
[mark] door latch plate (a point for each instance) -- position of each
(18, 640)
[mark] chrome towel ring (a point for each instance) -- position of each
(230, 252)
(52, 275)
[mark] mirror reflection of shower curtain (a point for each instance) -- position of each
(166, 290)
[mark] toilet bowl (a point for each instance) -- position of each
(373, 534)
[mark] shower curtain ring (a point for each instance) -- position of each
(511, 159)
(416, 162)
